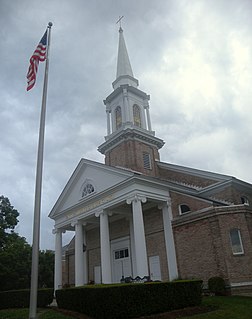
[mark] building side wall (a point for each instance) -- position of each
(196, 249)
(193, 202)
(204, 249)
(239, 267)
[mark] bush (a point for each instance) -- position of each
(217, 286)
(21, 298)
(130, 300)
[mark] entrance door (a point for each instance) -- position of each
(121, 260)
(155, 272)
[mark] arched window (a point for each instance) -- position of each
(87, 189)
(118, 117)
(183, 208)
(137, 115)
(244, 200)
(236, 241)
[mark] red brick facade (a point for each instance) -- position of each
(129, 154)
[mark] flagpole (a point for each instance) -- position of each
(38, 188)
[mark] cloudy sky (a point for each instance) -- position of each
(194, 58)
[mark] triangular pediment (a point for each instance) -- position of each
(88, 179)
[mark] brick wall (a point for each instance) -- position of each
(129, 154)
(155, 242)
(203, 245)
(193, 202)
(239, 267)
(196, 252)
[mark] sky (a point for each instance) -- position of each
(194, 58)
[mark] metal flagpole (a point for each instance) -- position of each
(38, 187)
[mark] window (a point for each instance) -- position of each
(146, 161)
(244, 200)
(236, 242)
(122, 253)
(137, 115)
(118, 117)
(184, 209)
(88, 189)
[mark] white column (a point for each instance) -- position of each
(105, 248)
(126, 111)
(169, 240)
(58, 259)
(139, 235)
(79, 258)
(148, 117)
(108, 122)
(132, 248)
(85, 278)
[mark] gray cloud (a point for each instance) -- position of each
(193, 58)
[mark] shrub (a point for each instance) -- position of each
(21, 298)
(217, 286)
(130, 300)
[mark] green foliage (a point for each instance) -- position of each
(21, 298)
(15, 254)
(217, 286)
(130, 300)
(14, 314)
(8, 219)
(15, 263)
(46, 269)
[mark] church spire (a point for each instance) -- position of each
(123, 62)
(130, 141)
(124, 74)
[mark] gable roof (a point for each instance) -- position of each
(101, 172)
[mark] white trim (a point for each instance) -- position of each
(241, 284)
(240, 239)
(180, 211)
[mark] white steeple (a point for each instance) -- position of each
(130, 141)
(124, 74)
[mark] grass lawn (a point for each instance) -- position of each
(232, 307)
(24, 314)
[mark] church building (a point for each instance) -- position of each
(138, 216)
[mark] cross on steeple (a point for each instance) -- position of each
(119, 21)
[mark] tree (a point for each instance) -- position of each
(15, 254)
(46, 269)
(8, 219)
(15, 263)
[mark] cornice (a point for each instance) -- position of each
(129, 88)
(210, 212)
(130, 134)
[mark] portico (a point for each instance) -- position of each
(126, 203)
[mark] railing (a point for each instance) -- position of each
(137, 279)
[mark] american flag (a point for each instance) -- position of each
(39, 55)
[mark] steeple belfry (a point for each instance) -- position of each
(130, 141)
(124, 74)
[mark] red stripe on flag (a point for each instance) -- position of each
(39, 55)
